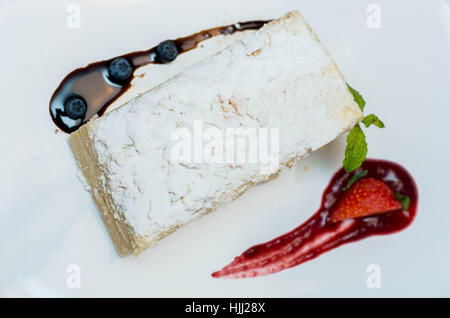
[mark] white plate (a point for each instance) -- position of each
(48, 221)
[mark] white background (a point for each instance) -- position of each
(48, 221)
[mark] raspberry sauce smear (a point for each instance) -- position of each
(322, 232)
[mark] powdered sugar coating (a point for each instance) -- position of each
(278, 77)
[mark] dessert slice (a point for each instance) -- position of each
(279, 77)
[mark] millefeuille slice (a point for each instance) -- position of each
(277, 77)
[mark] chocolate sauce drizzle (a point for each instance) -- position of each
(92, 83)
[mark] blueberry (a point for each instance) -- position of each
(75, 108)
(166, 51)
(120, 69)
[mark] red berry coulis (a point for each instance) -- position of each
(320, 234)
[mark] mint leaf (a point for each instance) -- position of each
(372, 119)
(358, 175)
(357, 97)
(404, 200)
(356, 150)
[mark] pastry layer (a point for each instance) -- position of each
(278, 77)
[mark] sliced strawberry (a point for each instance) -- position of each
(367, 196)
